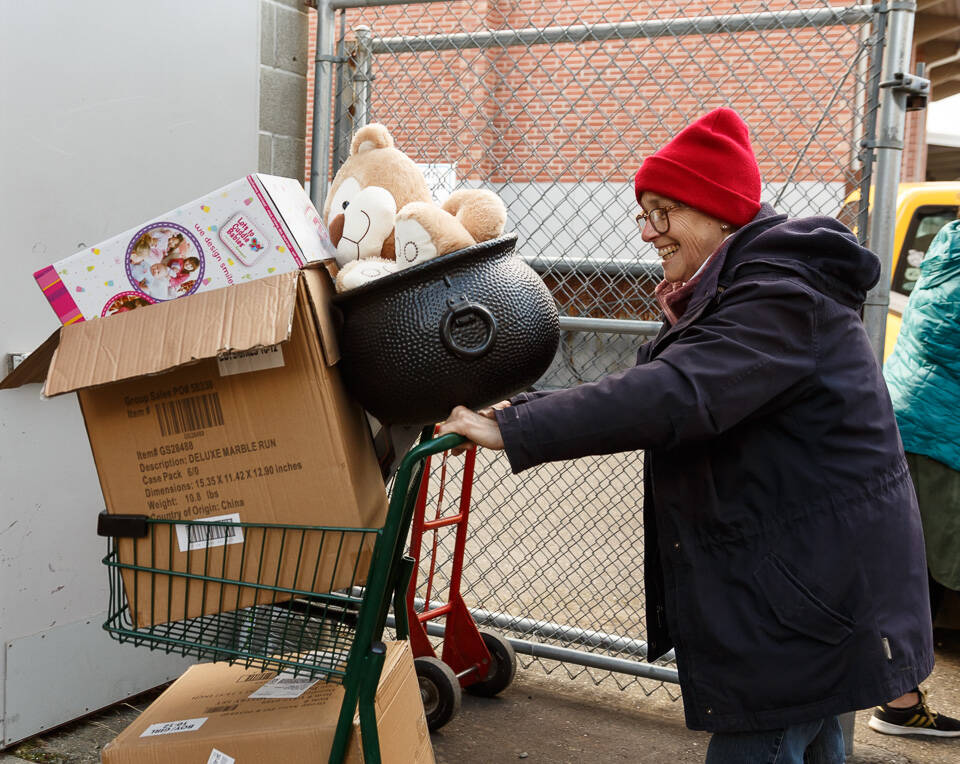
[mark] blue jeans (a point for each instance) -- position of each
(819, 742)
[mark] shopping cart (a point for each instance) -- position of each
(304, 629)
(481, 662)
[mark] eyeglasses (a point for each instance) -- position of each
(658, 218)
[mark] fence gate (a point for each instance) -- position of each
(552, 105)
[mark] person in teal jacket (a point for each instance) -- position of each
(923, 376)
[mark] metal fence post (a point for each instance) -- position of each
(896, 85)
(352, 96)
(869, 143)
(322, 93)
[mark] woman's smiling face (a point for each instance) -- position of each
(692, 236)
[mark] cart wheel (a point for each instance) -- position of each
(439, 691)
(502, 670)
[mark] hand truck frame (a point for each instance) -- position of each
(481, 662)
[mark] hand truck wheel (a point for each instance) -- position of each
(503, 666)
(439, 691)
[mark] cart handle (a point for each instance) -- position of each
(432, 446)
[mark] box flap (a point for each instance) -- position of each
(161, 337)
(319, 291)
(34, 367)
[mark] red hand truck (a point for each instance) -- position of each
(481, 662)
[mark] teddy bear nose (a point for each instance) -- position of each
(336, 229)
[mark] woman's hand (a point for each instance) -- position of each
(479, 427)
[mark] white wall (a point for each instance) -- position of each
(111, 112)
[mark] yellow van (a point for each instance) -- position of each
(922, 210)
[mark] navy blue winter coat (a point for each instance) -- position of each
(783, 551)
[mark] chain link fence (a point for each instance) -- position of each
(552, 105)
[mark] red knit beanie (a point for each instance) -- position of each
(710, 166)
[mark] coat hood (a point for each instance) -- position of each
(942, 261)
(820, 250)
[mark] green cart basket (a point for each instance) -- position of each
(304, 629)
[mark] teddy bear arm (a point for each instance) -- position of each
(424, 231)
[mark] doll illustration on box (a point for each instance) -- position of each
(156, 281)
(125, 302)
(180, 268)
(185, 288)
(180, 272)
(177, 246)
(162, 259)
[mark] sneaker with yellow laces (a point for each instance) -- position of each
(913, 720)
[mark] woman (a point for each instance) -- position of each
(776, 494)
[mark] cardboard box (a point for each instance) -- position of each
(249, 229)
(224, 405)
(221, 714)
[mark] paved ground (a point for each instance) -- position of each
(553, 719)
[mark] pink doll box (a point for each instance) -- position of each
(255, 227)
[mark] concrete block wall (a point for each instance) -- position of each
(283, 87)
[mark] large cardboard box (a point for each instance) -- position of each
(225, 405)
(221, 714)
(249, 229)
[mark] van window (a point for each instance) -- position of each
(927, 221)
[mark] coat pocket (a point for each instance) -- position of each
(796, 607)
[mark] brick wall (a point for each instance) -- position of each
(523, 114)
(914, 163)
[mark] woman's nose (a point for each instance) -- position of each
(648, 233)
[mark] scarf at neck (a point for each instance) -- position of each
(674, 297)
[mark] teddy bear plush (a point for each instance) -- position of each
(382, 218)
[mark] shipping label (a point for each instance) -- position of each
(169, 728)
(243, 361)
(286, 686)
(219, 757)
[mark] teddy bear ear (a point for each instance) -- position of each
(372, 136)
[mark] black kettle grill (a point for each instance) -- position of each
(471, 327)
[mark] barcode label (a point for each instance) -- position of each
(260, 676)
(169, 728)
(197, 534)
(203, 535)
(199, 412)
